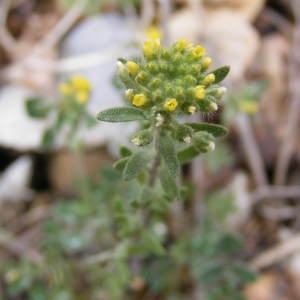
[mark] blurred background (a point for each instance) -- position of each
(57, 228)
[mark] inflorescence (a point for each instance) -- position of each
(171, 80)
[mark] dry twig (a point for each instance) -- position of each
(276, 254)
(288, 142)
(253, 156)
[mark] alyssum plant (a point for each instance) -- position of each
(164, 85)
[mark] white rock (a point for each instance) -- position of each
(240, 191)
(111, 34)
(17, 130)
(231, 40)
(14, 180)
(108, 35)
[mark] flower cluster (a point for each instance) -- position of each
(171, 80)
(78, 87)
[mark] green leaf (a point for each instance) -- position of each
(90, 120)
(48, 139)
(168, 183)
(215, 130)
(211, 273)
(187, 154)
(137, 164)
(36, 108)
(121, 164)
(244, 274)
(121, 114)
(167, 151)
(122, 60)
(221, 73)
(124, 151)
(153, 244)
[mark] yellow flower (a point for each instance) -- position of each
(65, 89)
(183, 44)
(249, 107)
(82, 97)
(132, 67)
(213, 106)
(80, 83)
(199, 92)
(129, 94)
(171, 104)
(210, 78)
(153, 33)
(206, 62)
(139, 100)
(199, 51)
(149, 47)
(192, 109)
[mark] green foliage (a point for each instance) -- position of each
(122, 220)
(168, 183)
(215, 130)
(221, 73)
(166, 148)
(36, 108)
(136, 164)
(121, 114)
(69, 110)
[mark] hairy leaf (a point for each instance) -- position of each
(120, 164)
(167, 150)
(215, 130)
(221, 73)
(187, 154)
(168, 183)
(121, 114)
(136, 164)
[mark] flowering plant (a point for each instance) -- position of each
(164, 85)
(70, 109)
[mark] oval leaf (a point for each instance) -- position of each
(120, 164)
(221, 73)
(36, 108)
(166, 149)
(215, 130)
(168, 184)
(136, 165)
(187, 154)
(121, 114)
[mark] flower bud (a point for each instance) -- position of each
(129, 94)
(199, 92)
(155, 83)
(132, 67)
(221, 91)
(206, 62)
(190, 80)
(157, 95)
(120, 66)
(203, 141)
(192, 109)
(198, 51)
(213, 107)
(210, 78)
(183, 133)
(142, 77)
(142, 138)
(159, 120)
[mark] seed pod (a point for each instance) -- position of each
(203, 141)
